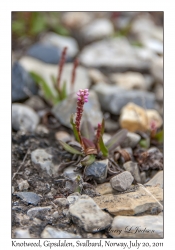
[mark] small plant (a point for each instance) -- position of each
(91, 143)
(60, 92)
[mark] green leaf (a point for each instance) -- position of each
(159, 136)
(116, 140)
(74, 128)
(145, 143)
(63, 91)
(87, 130)
(45, 87)
(69, 148)
(103, 148)
(88, 160)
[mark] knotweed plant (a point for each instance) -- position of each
(92, 143)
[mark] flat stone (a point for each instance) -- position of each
(45, 70)
(97, 29)
(29, 197)
(51, 232)
(24, 118)
(60, 42)
(122, 182)
(131, 140)
(22, 233)
(131, 203)
(97, 170)
(137, 227)
(37, 211)
(156, 180)
(46, 159)
(63, 136)
(133, 168)
(22, 83)
(64, 109)
(114, 98)
(87, 215)
(105, 188)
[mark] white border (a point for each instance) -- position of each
(5, 114)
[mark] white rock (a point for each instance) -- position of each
(76, 20)
(51, 232)
(23, 184)
(97, 29)
(22, 233)
(35, 211)
(137, 227)
(157, 69)
(24, 118)
(60, 42)
(122, 181)
(88, 215)
(156, 180)
(45, 70)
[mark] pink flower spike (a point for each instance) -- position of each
(79, 98)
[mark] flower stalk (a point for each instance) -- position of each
(60, 69)
(74, 74)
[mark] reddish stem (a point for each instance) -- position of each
(60, 68)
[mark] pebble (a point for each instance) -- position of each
(96, 76)
(133, 168)
(114, 98)
(131, 203)
(55, 215)
(131, 140)
(82, 80)
(122, 182)
(63, 136)
(24, 118)
(22, 233)
(129, 80)
(122, 55)
(156, 180)
(87, 215)
(22, 83)
(45, 53)
(23, 184)
(37, 211)
(157, 69)
(41, 130)
(97, 170)
(137, 227)
(70, 173)
(75, 20)
(47, 160)
(63, 202)
(153, 115)
(64, 109)
(53, 233)
(97, 29)
(36, 103)
(143, 177)
(60, 42)
(29, 197)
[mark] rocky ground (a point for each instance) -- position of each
(121, 63)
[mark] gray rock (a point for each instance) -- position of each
(29, 197)
(113, 98)
(22, 83)
(35, 102)
(60, 42)
(143, 177)
(122, 55)
(156, 180)
(37, 211)
(133, 168)
(46, 159)
(50, 232)
(122, 181)
(24, 118)
(87, 215)
(137, 227)
(22, 233)
(97, 29)
(131, 140)
(97, 170)
(45, 53)
(157, 69)
(64, 109)
(72, 198)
